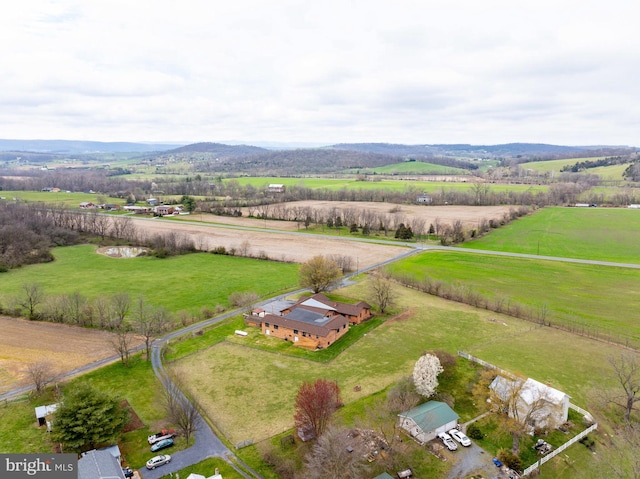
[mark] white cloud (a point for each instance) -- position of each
(429, 71)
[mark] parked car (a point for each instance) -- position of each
(159, 436)
(128, 472)
(447, 441)
(158, 461)
(460, 437)
(497, 462)
(162, 444)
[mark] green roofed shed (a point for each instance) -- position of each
(384, 475)
(425, 421)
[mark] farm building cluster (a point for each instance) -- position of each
(313, 322)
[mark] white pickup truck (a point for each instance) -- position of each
(159, 436)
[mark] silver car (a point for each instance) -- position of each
(158, 461)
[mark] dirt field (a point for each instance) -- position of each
(24, 342)
(299, 248)
(278, 246)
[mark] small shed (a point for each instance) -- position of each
(384, 475)
(43, 411)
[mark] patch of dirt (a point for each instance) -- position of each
(134, 421)
(66, 347)
(400, 317)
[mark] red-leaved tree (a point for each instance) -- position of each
(315, 403)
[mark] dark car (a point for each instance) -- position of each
(162, 444)
(127, 471)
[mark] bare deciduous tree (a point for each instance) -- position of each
(626, 368)
(122, 342)
(330, 457)
(402, 396)
(183, 412)
(150, 321)
(40, 373)
(381, 291)
(32, 296)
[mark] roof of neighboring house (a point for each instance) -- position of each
(431, 415)
(193, 475)
(99, 464)
(530, 391)
(319, 300)
(308, 321)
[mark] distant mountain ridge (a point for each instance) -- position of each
(468, 150)
(226, 150)
(81, 147)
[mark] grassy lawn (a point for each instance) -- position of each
(207, 468)
(187, 282)
(593, 299)
(606, 234)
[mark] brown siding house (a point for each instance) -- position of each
(305, 328)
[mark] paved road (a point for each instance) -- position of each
(205, 442)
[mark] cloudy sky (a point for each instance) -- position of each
(299, 71)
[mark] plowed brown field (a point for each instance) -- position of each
(24, 342)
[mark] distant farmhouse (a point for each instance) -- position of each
(313, 322)
(276, 188)
(424, 199)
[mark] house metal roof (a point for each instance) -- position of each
(431, 415)
(99, 464)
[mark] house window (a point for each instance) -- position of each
(275, 326)
(295, 331)
(304, 335)
(266, 325)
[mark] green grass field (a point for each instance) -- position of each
(597, 299)
(61, 198)
(395, 185)
(412, 168)
(605, 234)
(187, 282)
(553, 166)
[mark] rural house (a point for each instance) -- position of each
(424, 422)
(99, 464)
(87, 205)
(530, 401)
(162, 210)
(306, 328)
(277, 188)
(355, 313)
